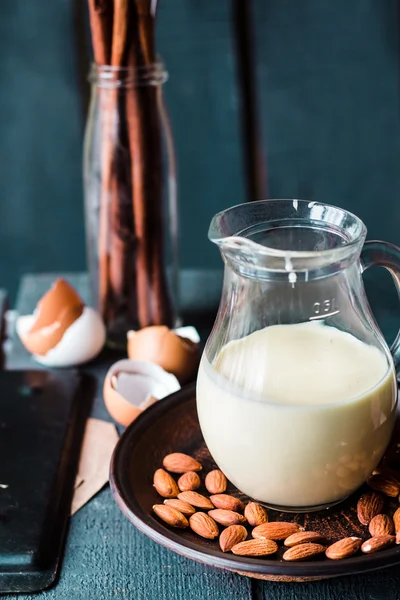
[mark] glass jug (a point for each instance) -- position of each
(297, 392)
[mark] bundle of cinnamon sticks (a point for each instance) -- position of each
(132, 278)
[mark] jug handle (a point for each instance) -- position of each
(383, 254)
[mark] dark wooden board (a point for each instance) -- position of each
(42, 420)
(172, 425)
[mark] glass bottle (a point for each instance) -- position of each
(131, 213)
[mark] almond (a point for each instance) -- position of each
(170, 515)
(231, 536)
(396, 520)
(369, 505)
(184, 507)
(196, 499)
(260, 547)
(384, 483)
(181, 463)
(381, 525)
(204, 525)
(301, 537)
(277, 530)
(377, 543)
(385, 470)
(226, 517)
(165, 484)
(343, 548)
(255, 514)
(189, 481)
(303, 551)
(227, 502)
(215, 482)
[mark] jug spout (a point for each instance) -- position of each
(280, 236)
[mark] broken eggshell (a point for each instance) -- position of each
(60, 306)
(131, 386)
(175, 353)
(62, 332)
(82, 341)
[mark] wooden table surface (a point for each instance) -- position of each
(107, 558)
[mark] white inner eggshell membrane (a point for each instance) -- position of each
(137, 380)
(81, 342)
(188, 332)
(24, 324)
(137, 387)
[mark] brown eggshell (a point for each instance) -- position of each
(55, 312)
(158, 344)
(126, 402)
(119, 408)
(60, 296)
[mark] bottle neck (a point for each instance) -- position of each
(110, 77)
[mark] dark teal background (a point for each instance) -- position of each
(328, 81)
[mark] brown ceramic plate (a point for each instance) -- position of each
(172, 425)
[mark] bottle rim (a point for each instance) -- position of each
(112, 77)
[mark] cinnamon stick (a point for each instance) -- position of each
(145, 141)
(107, 125)
(100, 13)
(121, 251)
(136, 142)
(119, 35)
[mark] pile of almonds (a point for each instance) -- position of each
(185, 507)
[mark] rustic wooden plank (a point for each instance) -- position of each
(195, 39)
(107, 558)
(328, 85)
(377, 585)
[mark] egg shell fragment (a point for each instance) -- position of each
(81, 341)
(60, 306)
(131, 386)
(160, 345)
